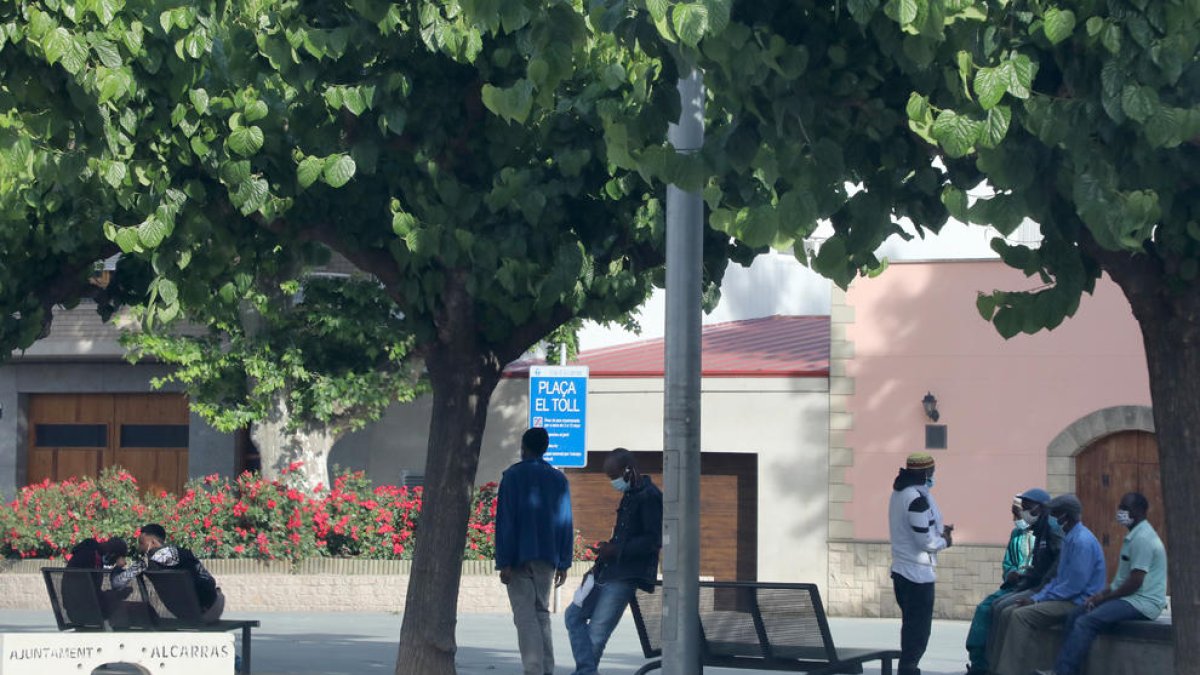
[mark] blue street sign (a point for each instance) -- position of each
(558, 403)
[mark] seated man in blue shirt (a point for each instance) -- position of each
(1080, 576)
(1138, 591)
(535, 537)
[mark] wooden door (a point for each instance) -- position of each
(1108, 469)
(152, 439)
(69, 435)
(728, 509)
(76, 435)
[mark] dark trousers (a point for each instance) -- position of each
(916, 611)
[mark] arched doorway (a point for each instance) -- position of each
(1106, 469)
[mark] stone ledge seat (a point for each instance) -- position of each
(1129, 648)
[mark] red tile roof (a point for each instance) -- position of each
(774, 346)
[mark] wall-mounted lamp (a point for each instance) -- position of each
(929, 403)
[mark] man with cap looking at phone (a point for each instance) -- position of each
(1080, 576)
(917, 534)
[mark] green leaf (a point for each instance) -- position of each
(251, 195)
(309, 171)
(108, 54)
(1139, 103)
(658, 9)
(987, 305)
(1110, 37)
(403, 223)
(718, 15)
(1094, 25)
(1008, 322)
(339, 169)
(512, 104)
(995, 127)
(955, 201)
(1020, 71)
(1058, 24)
(245, 141)
(168, 291)
(862, 10)
(903, 12)
(990, 85)
(127, 239)
(199, 99)
(60, 45)
(113, 83)
(152, 232)
(255, 111)
(956, 133)
(690, 21)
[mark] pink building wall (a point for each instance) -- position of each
(915, 330)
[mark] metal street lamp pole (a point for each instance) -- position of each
(681, 456)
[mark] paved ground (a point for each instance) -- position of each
(357, 644)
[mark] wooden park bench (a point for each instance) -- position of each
(162, 600)
(758, 626)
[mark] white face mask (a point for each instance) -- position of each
(620, 484)
(1020, 524)
(1123, 518)
(1028, 517)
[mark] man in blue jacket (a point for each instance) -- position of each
(626, 562)
(534, 541)
(1080, 576)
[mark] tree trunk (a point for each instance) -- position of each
(1170, 322)
(463, 381)
(281, 447)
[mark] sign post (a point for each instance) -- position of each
(558, 404)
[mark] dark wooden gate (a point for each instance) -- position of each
(1107, 469)
(728, 508)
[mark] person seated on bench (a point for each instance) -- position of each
(1018, 557)
(1138, 591)
(91, 554)
(151, 543)
(1080, 576)
(624, 564)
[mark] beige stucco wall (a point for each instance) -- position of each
(783, 420)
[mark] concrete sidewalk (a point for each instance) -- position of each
(356, 644)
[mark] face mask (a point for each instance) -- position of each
(620, 484)
(1123, 518)
(1020, 524)
(929, 482)
(1056, 527)
(1028, 517)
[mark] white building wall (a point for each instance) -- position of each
(783, 420)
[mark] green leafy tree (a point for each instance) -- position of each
(300, 366)
(216, 143)
(1083, 117)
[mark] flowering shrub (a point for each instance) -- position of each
(247, 517)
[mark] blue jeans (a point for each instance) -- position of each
(590, 626)
(1081, 629)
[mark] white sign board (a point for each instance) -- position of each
(173, 653)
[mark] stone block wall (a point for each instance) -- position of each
(860, 582)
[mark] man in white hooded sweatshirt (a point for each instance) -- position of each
(917, 534)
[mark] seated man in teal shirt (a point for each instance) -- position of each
(1138, 591)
